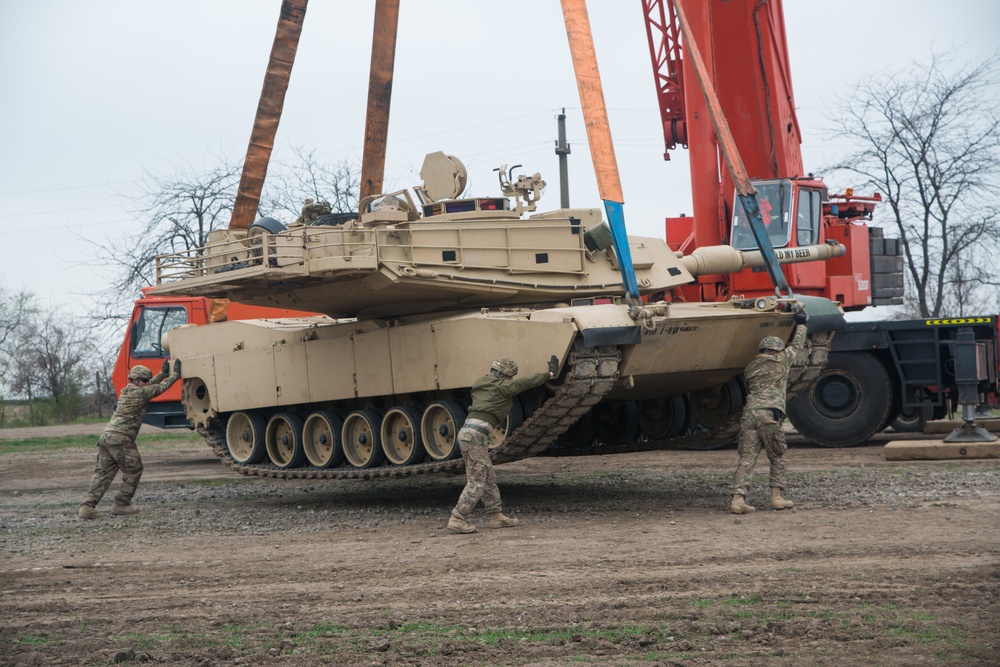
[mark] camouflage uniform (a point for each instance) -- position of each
(492, 397)
(767, 381)
(116, 446)
(312, 210)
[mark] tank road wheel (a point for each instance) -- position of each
(439, 427)
(360, 438)
(846, 404)
(579, 435)
(711, 406)
(245, 437)
(401, 438)
(662, 418)
(321, 439)
(615, 422)
(513, 422)
(284, 440)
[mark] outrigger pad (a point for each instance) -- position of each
(824, 315)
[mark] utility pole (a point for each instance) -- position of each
(562, 150)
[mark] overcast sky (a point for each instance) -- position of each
(95, 92)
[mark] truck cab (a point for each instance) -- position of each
(153, 316)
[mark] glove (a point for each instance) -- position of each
(165, 368)
(553, 365)
(177, 366)
(801, 317)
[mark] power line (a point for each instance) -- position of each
(66, 187)
(61, 210)
(68, 225)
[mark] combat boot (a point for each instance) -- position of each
(458, 524)
(779, 503)
(498, 520)
(88, 512)
(124, 510)
(740, 506)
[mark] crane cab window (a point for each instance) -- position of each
(775, 201)
(150, 326)
(807, 217)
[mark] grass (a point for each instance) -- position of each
(426, 639)
(30, 640)
(35, 445)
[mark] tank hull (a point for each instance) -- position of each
(296, 369)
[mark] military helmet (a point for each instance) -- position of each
(772, 343)
(140, 373)
(505, 366)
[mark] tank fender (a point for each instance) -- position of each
(605, 324)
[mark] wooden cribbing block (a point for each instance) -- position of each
(948, 425)
(910, 450)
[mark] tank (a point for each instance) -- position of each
(421, 293)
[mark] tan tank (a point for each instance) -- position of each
(421, 297)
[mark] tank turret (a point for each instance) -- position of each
(428, 291)
(399, 258)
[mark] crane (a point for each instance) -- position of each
(746, 67)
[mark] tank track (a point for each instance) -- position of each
(592, 373)
(809, 363)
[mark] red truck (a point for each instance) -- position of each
(152, 316)
(879, 372)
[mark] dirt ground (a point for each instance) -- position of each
(629, 559)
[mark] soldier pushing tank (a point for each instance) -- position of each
(761, 423)
(116, 449)
(492, 396)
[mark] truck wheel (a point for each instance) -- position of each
(245, 437)
(284, 440)
(401, 438)
(361, 439)
(911, 420)
(847, 404)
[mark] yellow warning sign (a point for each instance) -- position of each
(959, 320)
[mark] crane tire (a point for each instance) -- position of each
(846, 404)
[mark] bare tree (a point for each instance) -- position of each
(929, 140)
(48, 364)
(16, 309)
(308, 177)
(176, 212)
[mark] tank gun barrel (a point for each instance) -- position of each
(726, 259)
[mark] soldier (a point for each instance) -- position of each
(116, 446)
(492, 396)
(312, 210)
(767, 381)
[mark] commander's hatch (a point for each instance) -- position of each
(445, 179)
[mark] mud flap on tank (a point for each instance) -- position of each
(597, 336)
(824, 315)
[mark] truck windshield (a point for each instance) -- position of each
(150, 326)
(775, 201)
